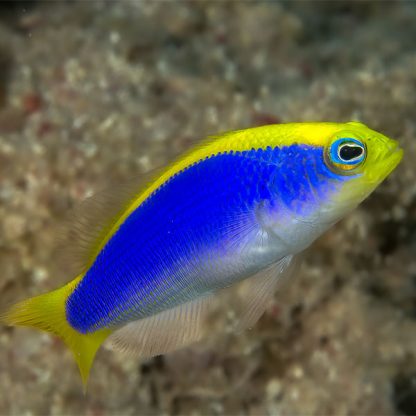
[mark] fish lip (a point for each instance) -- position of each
(395, 156)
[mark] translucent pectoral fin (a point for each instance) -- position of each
(234, 308)
(253, 295)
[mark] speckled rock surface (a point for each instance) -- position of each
(94, 92)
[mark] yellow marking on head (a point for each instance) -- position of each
(382, 155)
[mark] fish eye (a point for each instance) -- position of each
(350, 152)
(347, 153)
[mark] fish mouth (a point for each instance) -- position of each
(385, 165)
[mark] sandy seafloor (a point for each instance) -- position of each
(95, 92)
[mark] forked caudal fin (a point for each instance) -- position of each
(47, 313)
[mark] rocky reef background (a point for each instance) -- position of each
(97, 92)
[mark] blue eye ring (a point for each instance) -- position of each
(354, 147)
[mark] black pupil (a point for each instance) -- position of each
(350, 152)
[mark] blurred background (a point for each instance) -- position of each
(96, 92)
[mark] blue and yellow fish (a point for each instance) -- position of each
(231, 214)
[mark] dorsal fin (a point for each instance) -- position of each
(89, 223)
(94, 221)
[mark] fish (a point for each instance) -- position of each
(223, 223)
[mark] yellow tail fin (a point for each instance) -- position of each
(47, 313)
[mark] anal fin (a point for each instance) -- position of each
(245, 302)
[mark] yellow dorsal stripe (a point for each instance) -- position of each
(240, 140)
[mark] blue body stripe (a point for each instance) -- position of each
(155, 260)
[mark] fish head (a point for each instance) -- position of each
(328, 169)
(361, 158)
